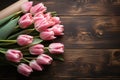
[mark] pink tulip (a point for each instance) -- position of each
(57, 29)
(14, 55)
(38, 16)
(56, 20)
(24, 40)
(24, 69)
(33, 64)
(44, 59)
(47, 35)
(42, 24)
(37, 49)
(43, 21)
(51, 22)
(56, 48)
(48, 15)
(26, 6)
(26, 20)
(38, 8)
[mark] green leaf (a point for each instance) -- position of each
(26, 31)
(2, 21)
(58, 57)
(7, 29)
(6, 19)
(35, 41)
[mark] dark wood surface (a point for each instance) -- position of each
(92, 41)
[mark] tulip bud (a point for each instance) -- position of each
(33, 64)
(42, 24)
(56, 20)
(24, 40)
(57, 29)
(56, 48)
(48, 15)
(38, 16)
(38, 8)
(47, 35)
(44, 59)
(14, 55)
(26, 6)
(24, 69)
(26, 20)
(37, 49)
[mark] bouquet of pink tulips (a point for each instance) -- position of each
(23, 38)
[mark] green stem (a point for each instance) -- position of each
(4, 52)
(26, 60)
(36, 36)
(17, 26)
(8, 41)
(46, 48)
(18, 12)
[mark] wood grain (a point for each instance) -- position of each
(83, 7)
(91, 31)
(79, 64)
(92, 42)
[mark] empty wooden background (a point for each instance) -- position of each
(92, 41)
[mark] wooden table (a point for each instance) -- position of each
(92, 42)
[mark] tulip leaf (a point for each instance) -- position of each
(57, 57)
(2, 21)
(7, 29)
(26, 31)
(35, 41)
(6, 19)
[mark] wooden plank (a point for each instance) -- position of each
(79, 64)
(92, 42)
(83, 7)
(91, 32)
(89, 63)
(77, 7)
